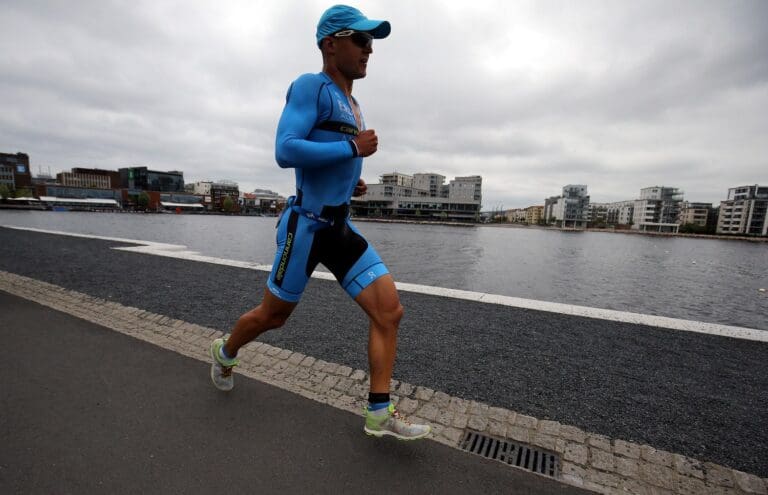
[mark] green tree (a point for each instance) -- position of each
(228, 204)
(4, 192)
(143, 200)
(23, 193)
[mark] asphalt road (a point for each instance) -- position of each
(699, 395)
(88, 410)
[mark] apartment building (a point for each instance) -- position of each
(143, 179)
(745, 211)
(657, 209)
(14, 170)
(695, 214)
(571, 209)
(422, 196)
(534, 214)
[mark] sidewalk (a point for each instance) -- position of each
(88, 410)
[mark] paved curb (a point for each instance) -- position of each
(591, 461)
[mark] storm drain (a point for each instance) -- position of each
(513, 453)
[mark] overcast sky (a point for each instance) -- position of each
(532, 96)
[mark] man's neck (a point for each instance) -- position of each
(337, 77)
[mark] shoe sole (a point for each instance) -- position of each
(383, 433)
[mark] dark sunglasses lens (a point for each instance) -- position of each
(363, 40)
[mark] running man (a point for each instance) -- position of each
(322, 135)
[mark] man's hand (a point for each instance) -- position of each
(367, 142)
(360, 188)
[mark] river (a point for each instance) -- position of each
(709, 280)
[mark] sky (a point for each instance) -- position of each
(531, 95)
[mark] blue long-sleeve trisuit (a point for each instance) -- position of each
(313, 137)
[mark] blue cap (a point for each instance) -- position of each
(341, 17)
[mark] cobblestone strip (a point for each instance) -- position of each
(591, 461)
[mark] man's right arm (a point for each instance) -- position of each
(292, 148)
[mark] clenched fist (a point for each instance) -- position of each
(367, 142)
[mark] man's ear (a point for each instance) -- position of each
(329, 45)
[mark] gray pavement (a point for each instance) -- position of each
(699, 395)
(88, 410)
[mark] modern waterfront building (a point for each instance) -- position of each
(221, 190)
(571, 209)
(14, 170)
(516, 215)
(619, 212)
(534, 214)
(143, 179)
(426, 198)
(745, 211)
(598, 213)
(84, 179)
(699, 214)
(262, 201)
(658, 209)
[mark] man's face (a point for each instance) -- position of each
(352, 50)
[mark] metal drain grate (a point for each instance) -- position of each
(513, 453)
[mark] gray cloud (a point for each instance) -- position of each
(531, 95)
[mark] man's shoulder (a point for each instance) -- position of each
(310, 80)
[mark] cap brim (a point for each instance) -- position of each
(377, 29)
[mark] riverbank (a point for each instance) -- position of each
(630, 232)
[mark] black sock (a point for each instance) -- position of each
(378, 398)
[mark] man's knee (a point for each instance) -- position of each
(390, 317)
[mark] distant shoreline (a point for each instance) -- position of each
(631, 232)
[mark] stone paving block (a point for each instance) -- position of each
(284, 354)
(749, 483)
(691, 486)
(603, 479)
(526, 421)
(308, 361)
(576, 452)
(408, 406)
(549, 427)
(629, 468)
(572, 474)
(601, 459)
(719, 475)
(424, 393)
(497, 428)
(429, 411)
(658, 475)
(599, 441)
(331, 368)
(458, 405)
(477, 422)
(688, 467)
(296, 358)
(519, 433)
(498, 414)
(454, 435)
(626, 449)
(317, 376)
(478, 408)
(441, 399)
(445, 417)
(343, 384)
(460, 420)
(544, 441)
(405, 389)
(344, 371)
(358, 375)
(656, 456)
(319, 365)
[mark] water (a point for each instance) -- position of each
(697, 279)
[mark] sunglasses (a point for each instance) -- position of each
(359, 38)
